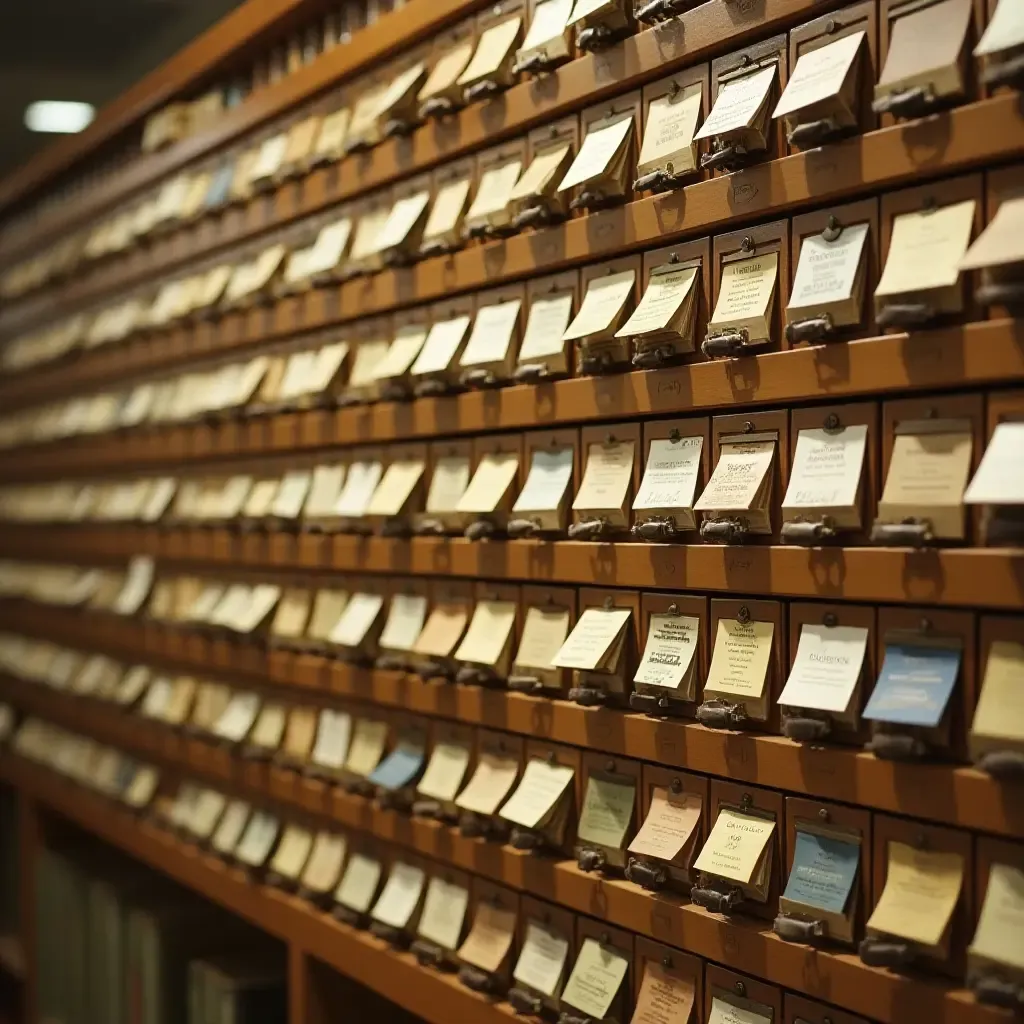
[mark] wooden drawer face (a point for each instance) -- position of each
(760, 56)
(751, 248)
(948, 417)
(834, 421)
(816, 616)
(904, 705)
(761, 710)
(929, 839)
(836, 230)
(741, 991)
(697, 252)
(848, 21)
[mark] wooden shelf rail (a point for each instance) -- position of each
(990, 578)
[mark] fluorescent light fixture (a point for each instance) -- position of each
(59, 116)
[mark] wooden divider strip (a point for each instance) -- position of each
(968, 577)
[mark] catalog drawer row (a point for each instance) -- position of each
(905, 684)
(708, 119)
(904, 895)
(916, 472)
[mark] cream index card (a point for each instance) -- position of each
(740, 659)
(538, 793)
(671, 474)
(488, 633)
(490, 938)
(493, 49)
(446, 71)
(669, 130)
(401, 220)
(829, 276)
(598, 152)
(547, 29)
(324, 865)
(446, 214)
(401, 895)
(667, 294)
(359, 615)
(406, 615)
(443, 630)
(359, 883)
(392, 494)
(664, 997)
(925, 249)
(669, 652)
(746, 295)
(443, 342)
(542, 959)
(492, 333)
(739, 102)
(546, 326)
(1000, 924)
(1005, 30)
(827, 667)
(999, 716)
(445, 771)
(606, 477)
(592, 638)
(333, 733)
(669, 826)
(596, 979)
(489, 785)
(1002, 241)
(736, 845)
(725, 1012)
(820, 75)
(547, 481)
(490, 482)
(921, 891)
(738, 477)
(544, 633)
(927, 478)
(543, 173)
(1000, 477)
(827, 468)
(495, 190)
(367, 746)
(360, 484)
(607, 811)
(444, 912)
(448, 483)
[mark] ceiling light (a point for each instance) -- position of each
(62, 116)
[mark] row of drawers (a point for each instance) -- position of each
(955, 27)
(910, 684)
(487, 171)
(696, 805)
(906, 472)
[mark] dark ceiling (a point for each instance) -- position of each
(87, 50)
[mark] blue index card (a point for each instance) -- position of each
(914, 685)
(824, 871)
(399, 768)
